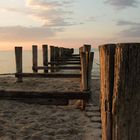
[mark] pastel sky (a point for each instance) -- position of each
(68, 23)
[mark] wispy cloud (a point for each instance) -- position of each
(91, 19)
(133, 29)
(42, 4)
(129, 23)
(122, 3)
(53, 15)
(20, 33)
(48, 12)
(133, 32)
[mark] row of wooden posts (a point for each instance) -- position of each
(120, 91)
(56, 55)
(60, 59)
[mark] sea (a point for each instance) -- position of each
(8, 66)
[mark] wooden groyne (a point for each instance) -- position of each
(120, 91)
(60, 59)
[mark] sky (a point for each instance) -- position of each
(68, 23)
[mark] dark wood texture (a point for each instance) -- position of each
(107, 82)
(10, 94)
(65, 63)
(59, 67)
(126, 97)
(34, 58)
(48, 75)
(84, 83)
(18, 57)
(45, 56)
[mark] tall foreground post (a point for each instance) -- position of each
(45, 56)
(18, 57)
(120, 91)
(126, 96)
(107, 79)
(35, 58)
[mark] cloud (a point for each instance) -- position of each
(48, 3)
(125, 23)
(132, 31)
(12, 9)
(91, 19)
(20, 33)
(57, 22)
(47, 12)
(120, 4)
(54, 16)
(42, 4)
(51, 13)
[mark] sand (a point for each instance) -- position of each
(43, 84)
(23, 121)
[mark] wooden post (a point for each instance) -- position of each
(57, 52)
(18, 57)
(35, 58)
(87, 48)
(45, 56)
(91, 57)
(55, 57)
(51, 53)
(83, 72)
(107, 79)
(72, 50)
(126, 97)
(81, 49)
(52, 56)
(60, 52)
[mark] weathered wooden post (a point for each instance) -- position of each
(34, 58)
(60, 52)
(57, 52)
(84, 82)
(81, 49)
(56, 57)
(45, 56)
(64, 52)
(86, 49)
(51, 53)
(52, 57)
(86, 65)
(18, 57)
(107, 82)
(72, 50)
(126, 96)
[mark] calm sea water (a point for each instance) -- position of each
(7, 61)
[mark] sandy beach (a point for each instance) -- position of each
(23, 121)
